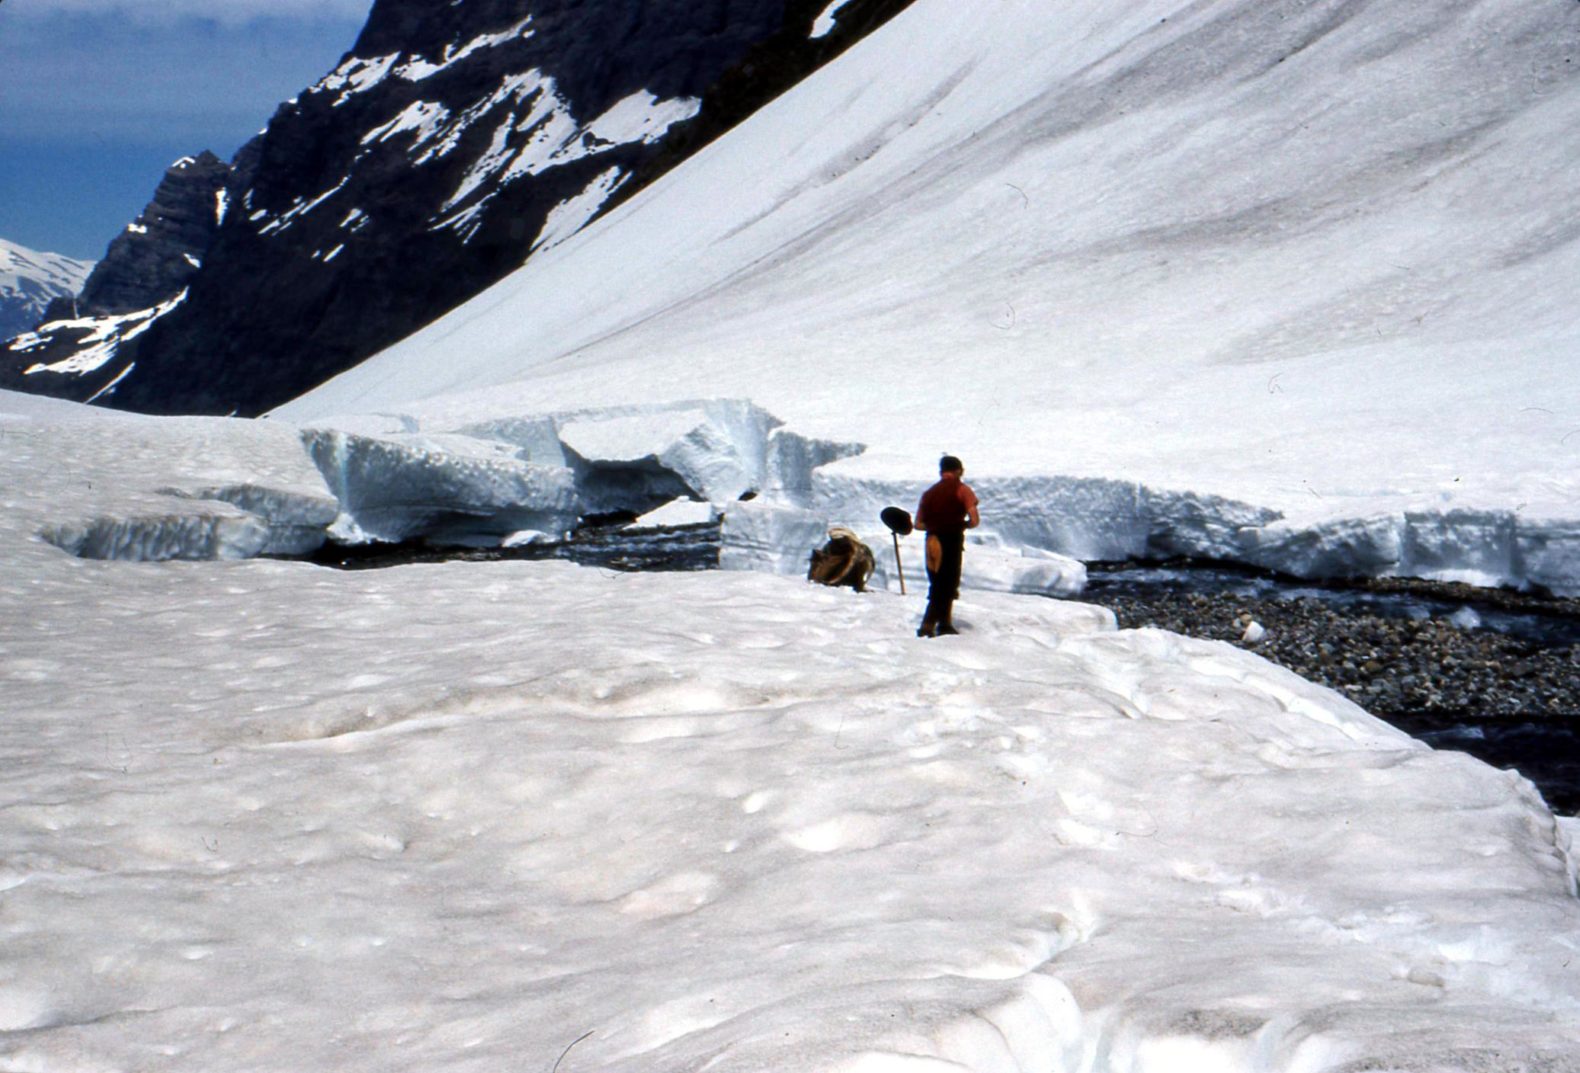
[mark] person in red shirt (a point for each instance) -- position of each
(946, 511)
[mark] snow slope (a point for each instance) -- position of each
(29, 280)
(1310, 258)
(484, 816)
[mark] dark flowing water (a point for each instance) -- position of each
(679, 547)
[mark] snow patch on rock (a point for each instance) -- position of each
(425, 118)
(101, 340)
(356, 75)
(640, 117)
(535, 129)
(301, 207)
(827, 19)
(418, 68)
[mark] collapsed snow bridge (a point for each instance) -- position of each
(388, 480)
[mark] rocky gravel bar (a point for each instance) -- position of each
(1450, 684)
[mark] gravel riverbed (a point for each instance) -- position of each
(1511, 701)
(1386, 665)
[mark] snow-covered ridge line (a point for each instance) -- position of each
(357, 74)
(30, 280)
(24, 271)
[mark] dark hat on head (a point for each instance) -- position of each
(950, 464)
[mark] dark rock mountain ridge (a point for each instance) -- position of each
(451, 143)
(142, 278)
(152, 260)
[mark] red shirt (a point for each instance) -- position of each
(946, 507)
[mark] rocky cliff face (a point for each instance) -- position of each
(452, 143)
(152, 260)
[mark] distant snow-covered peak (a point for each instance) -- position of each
(56, 270)
(30, 280)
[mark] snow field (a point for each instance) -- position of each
(1282, 283)
(453, 816)
(262, 814)
(31, 273)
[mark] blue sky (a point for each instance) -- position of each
(98, 97)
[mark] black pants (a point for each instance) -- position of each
(943, 584)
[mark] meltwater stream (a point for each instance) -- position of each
(607, 544)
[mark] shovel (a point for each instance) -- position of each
(899, 523)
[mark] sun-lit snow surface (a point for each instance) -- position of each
(1309, 259)
(262, 815)
(265, 815)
